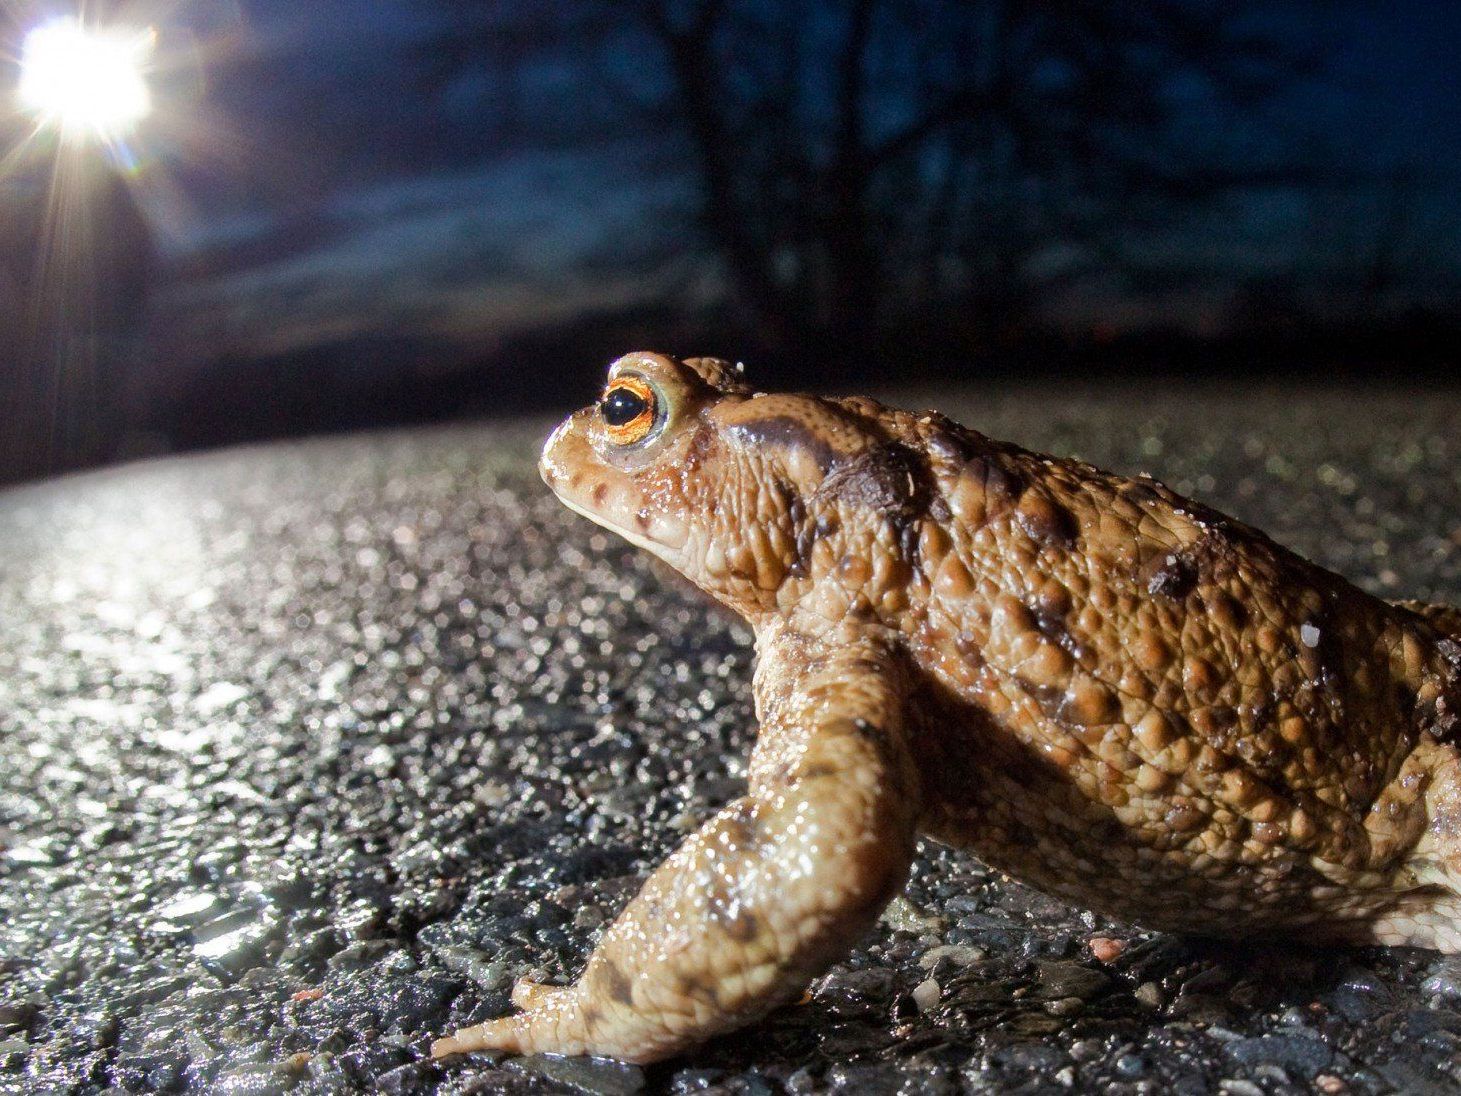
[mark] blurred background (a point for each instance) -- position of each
(224, 220)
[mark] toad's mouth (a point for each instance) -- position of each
(608, 496)
(619, 508)
(639, 540)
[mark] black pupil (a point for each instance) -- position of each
(621, 407)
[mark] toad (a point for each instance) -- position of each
(1108, 691)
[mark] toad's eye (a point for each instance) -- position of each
(630, 409)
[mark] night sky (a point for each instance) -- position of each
(352, 198)
(342, 195)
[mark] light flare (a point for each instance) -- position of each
(88, 83)
(106, 106)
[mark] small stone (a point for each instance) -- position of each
(1149, 994)
(1065, 1006)
(875, 982)
(493, 793)
(959, 955)
(1131, 1065)
(254, 1080)
(1036, 1057)
(1298, 1053)
(801, 1082)
(1201, 1009)
(903, 916)
(162, 1072)
(1209, 979)
(1066, 978)
(1330, 1084)
(872, 1079)
(1107, 948)
(17, 1014)
(1445, 978)
(406, 1080)
(1291, 1017)
(589, 917)
(497, 1080)
(926, 994)
(849, 994)
(1239, 1088)
(38, 853)
(596, 1076)
(695, 1080)
(360, 955)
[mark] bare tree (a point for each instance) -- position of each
(862, 165)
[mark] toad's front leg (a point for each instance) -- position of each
(765, 896)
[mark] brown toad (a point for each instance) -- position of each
(1108, 691)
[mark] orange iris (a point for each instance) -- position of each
(629, 409)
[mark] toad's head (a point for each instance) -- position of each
(726, 485)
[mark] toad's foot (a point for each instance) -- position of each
(535, 998)
(766, 895)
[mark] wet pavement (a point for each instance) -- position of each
(310, 748)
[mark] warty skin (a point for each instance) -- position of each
(1097, 686)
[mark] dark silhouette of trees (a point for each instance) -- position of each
(868, 168)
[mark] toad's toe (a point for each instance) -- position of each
(529, 994)
(504, 1034)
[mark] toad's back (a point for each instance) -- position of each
(1127, 691)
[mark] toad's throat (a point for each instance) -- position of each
(638, 539)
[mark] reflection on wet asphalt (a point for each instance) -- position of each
(310, 748)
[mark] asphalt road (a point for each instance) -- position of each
(310, 748)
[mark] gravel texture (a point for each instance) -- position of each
(309, 749)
